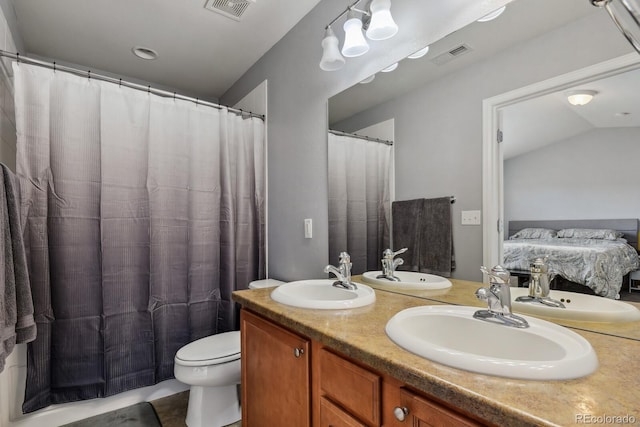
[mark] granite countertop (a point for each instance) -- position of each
(613, 390)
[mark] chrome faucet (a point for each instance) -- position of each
(498, 298)
(343, 272)
(389, 264)
(539, 287)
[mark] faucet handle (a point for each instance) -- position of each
(400, 251)
(498, 273)
(389, 254)
(345, 258)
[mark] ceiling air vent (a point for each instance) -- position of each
(457, 51)
(233, 9)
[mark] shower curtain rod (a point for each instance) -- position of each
(87, 73)
(355, 135)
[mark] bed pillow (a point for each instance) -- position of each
(590, 233)
(534, 233)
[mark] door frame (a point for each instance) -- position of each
(492, 159)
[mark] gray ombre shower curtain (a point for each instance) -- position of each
(141, 214)
(359, 200)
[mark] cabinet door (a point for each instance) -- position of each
(422, 412)
(275, 375)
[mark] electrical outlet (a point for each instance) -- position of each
(471, 217)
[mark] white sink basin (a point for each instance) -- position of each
(409, 280)
(320, 294)
(451, 336)
(580, 307)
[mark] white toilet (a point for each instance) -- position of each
(211, 366)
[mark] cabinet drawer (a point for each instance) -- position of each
(332, 416)
(354, 388)
(424, 412)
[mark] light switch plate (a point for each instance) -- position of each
(471, 217)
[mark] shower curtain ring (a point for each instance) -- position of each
(120, 83)
(89, 74)
(18, 58)
(149, 89)
(54, 66)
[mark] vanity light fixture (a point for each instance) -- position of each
(492, 15)
(376, 20)
(390, 68)
(382, 25)
(419, 54)
(354, 41)
(580, 97)
(331, 58)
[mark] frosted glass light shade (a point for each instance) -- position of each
(580, 97)
(382, 25)
(354, 41)
(331, 60)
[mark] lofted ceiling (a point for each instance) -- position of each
(541, 121)
(201, 53)
(528, 125)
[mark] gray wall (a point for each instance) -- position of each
(438, 128)
(297, 117)
(590, 176)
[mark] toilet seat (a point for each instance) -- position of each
(211, 350)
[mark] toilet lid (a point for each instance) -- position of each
(211, 350)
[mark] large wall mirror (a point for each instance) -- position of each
(431, 110)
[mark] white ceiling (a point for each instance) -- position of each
(527, 125)
(521, 21)
(541, 121)
(201, 53)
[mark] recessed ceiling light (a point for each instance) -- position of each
(390, 68)
(144, 53)
(368, 79)
(419, 54)
(492, 15)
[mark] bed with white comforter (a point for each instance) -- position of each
(596, 263)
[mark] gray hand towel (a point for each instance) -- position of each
(17, 324)
(406, 222)
(436, 240)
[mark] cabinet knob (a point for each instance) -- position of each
(401, 412)
(297, 352)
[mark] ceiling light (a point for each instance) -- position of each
(382, 25)
(492, 15)
(390, 68)
(354, 41)
(331, 60)
(368, 79)
(580, 97)
(376, 19)
(419, 54)
(144, 53)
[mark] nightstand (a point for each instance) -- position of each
(634, 277)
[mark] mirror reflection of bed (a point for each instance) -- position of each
(586, 256)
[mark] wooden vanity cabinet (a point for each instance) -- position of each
(289, 380)
(404, 407)
(275, 374)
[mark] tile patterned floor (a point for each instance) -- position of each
(172, 410)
